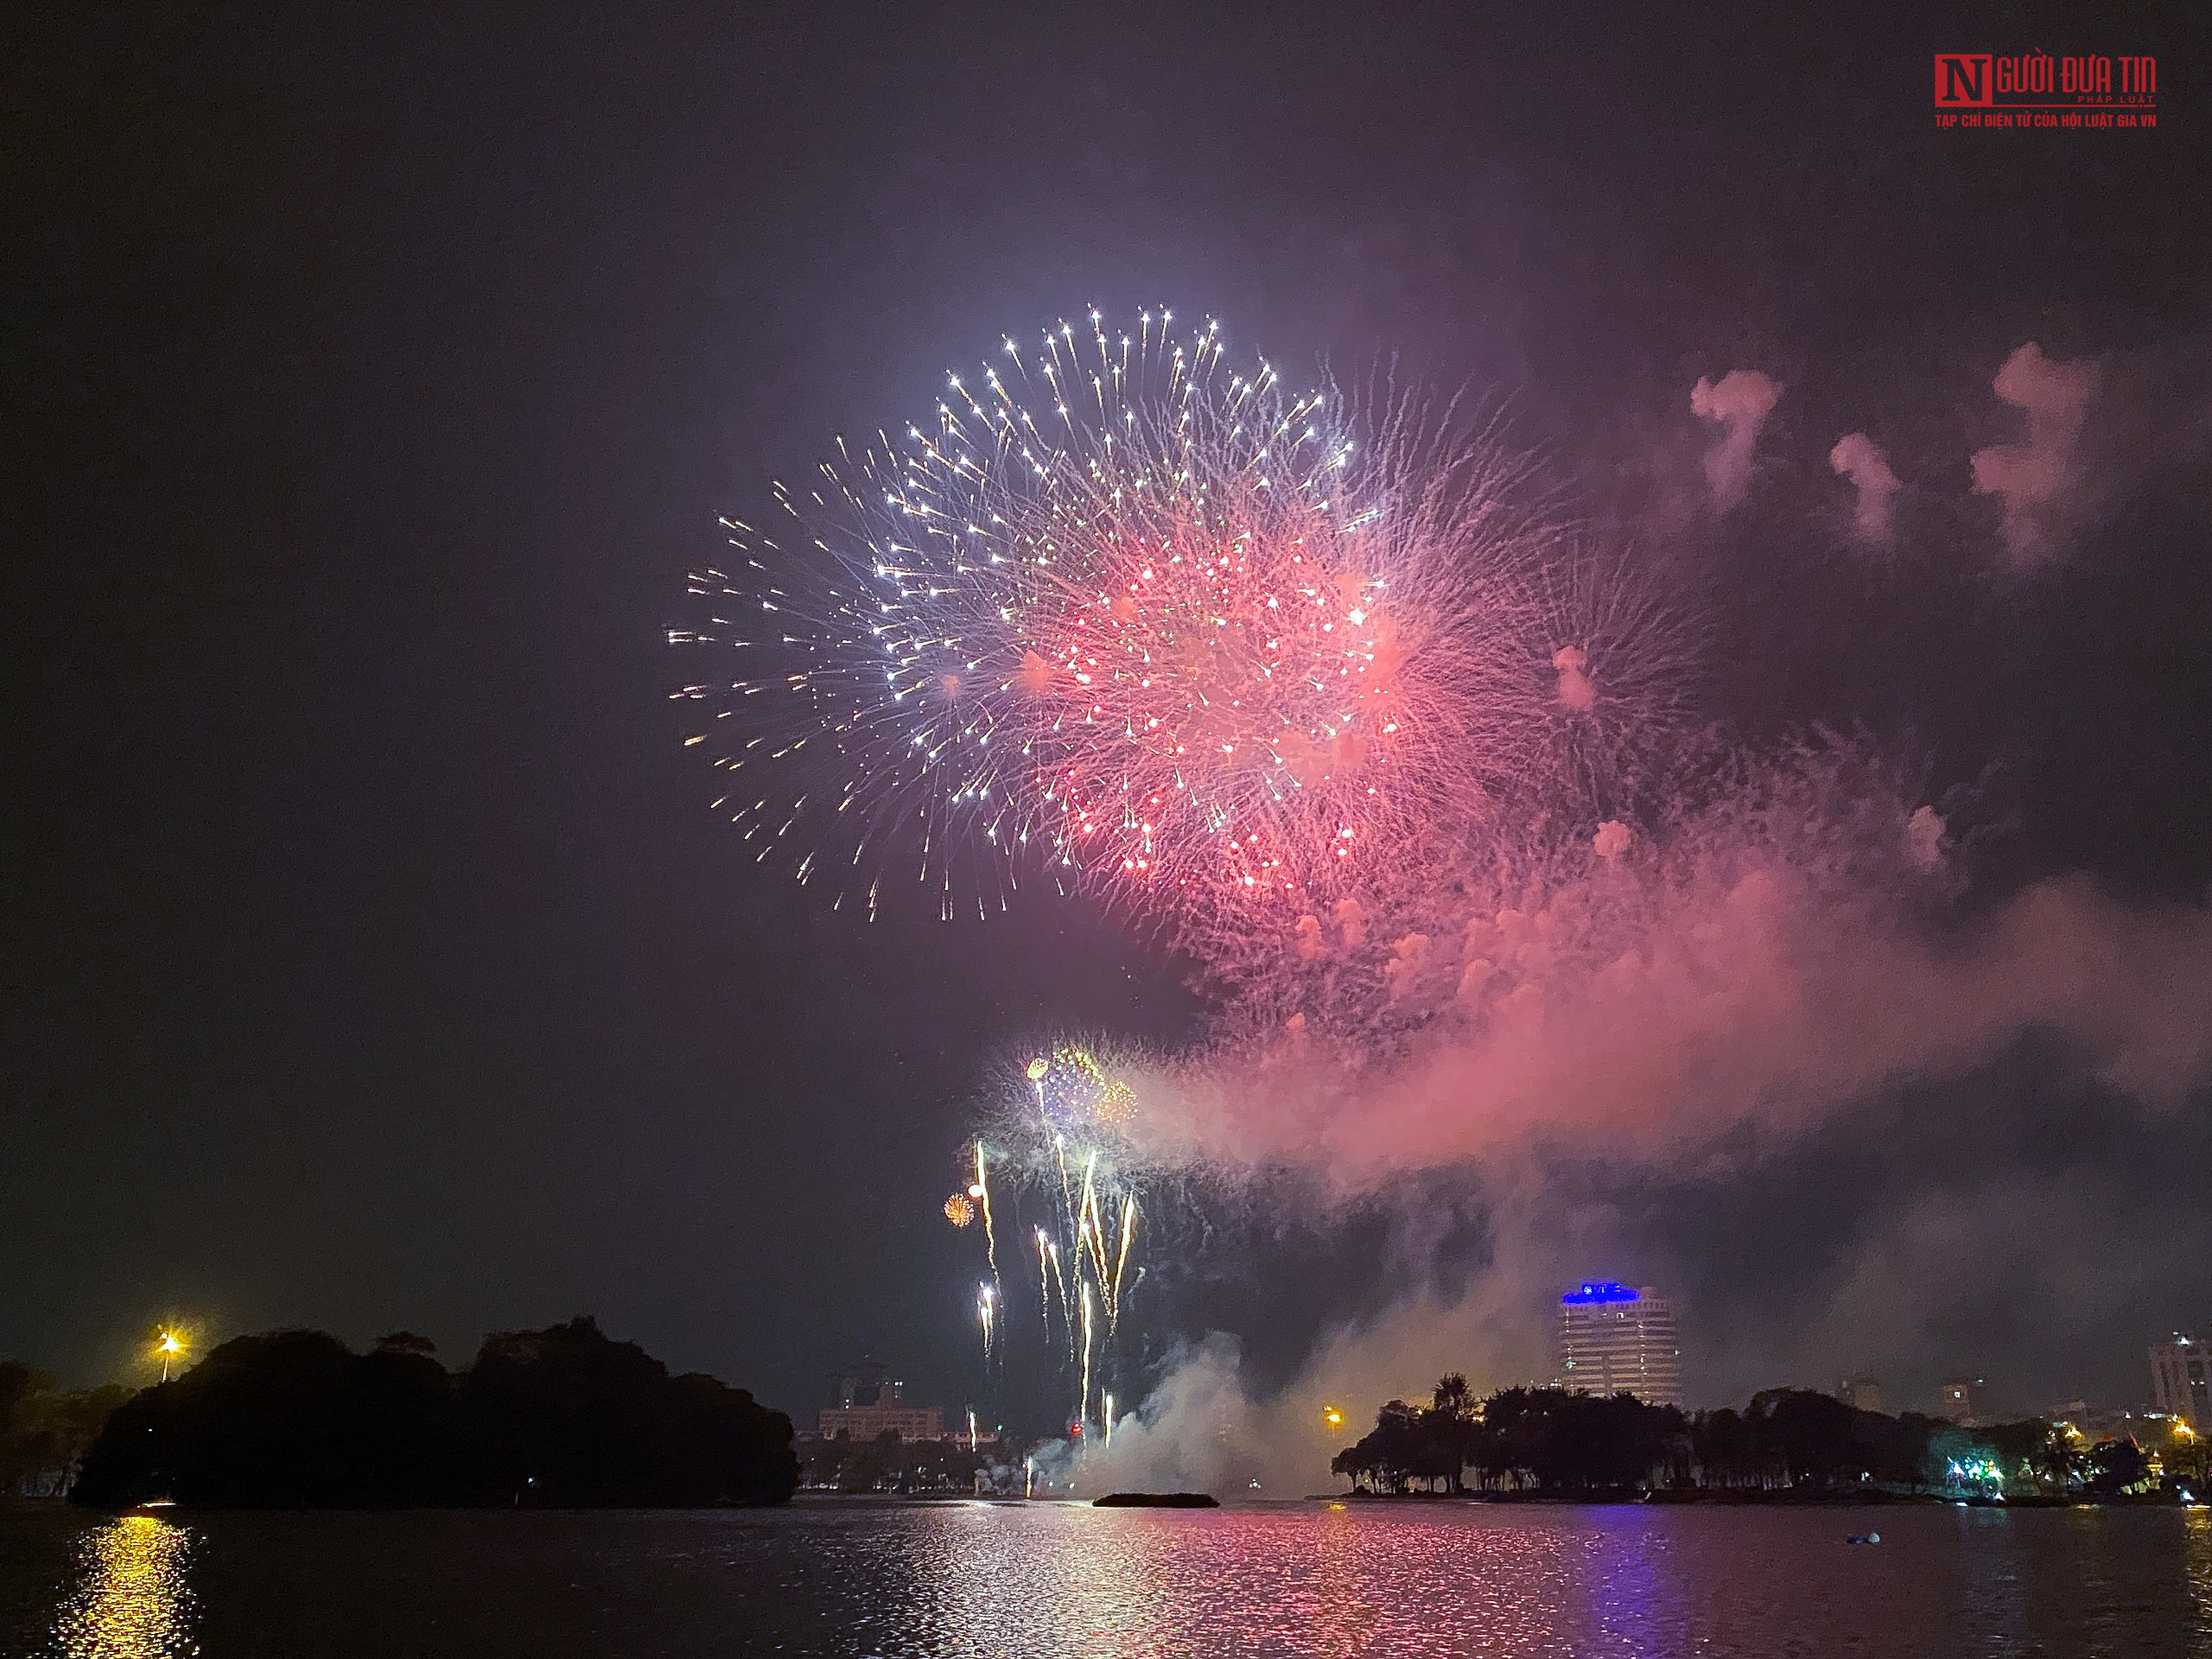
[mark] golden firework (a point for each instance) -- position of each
(959, 1210)
(1116, 1103)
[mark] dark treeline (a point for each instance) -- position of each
(1548, 1442)
(562, 1417)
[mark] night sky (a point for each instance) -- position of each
(377, 375)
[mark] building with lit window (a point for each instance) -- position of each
(1965, 1400)
(863, 1419)
(1616, 1340)
(2179, 1382)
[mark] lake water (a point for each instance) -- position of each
(1413, 1581)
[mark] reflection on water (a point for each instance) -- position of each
(133, 1600)
(1413, 1585)
(1472, 1582)
(1439, 1581)
(2197, 1545)
(1636, 1603)
(1994, 1583)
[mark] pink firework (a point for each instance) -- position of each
(1273, 666)
(1192, 643)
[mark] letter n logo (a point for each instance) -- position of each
(1963, 81)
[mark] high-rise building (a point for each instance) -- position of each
(2180, 1383)
(1616, 1340)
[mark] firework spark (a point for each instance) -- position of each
(1061, 1138)
(979, 1190)
(1083, 1406)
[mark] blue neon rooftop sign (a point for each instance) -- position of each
(1599, 1290)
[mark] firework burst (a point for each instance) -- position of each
(1160, 627)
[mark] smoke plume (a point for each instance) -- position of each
(1858, 458)
(1740, 402)
(2032, 479)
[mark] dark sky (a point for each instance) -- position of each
(377, 373)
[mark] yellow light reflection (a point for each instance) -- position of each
(2197, 1534)
(134, 1601)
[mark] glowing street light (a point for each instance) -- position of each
(169, 1347)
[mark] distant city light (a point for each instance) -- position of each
(1599, 1290)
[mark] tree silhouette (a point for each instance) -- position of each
(1541, 1438)
(559, 1416)
(1549, 1442)
(2116, 1467)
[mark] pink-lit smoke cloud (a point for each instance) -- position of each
(1757, 967)
(1739, 403)
(1858, 458)
(2031, 479)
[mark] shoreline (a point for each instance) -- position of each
(1776, 1499)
